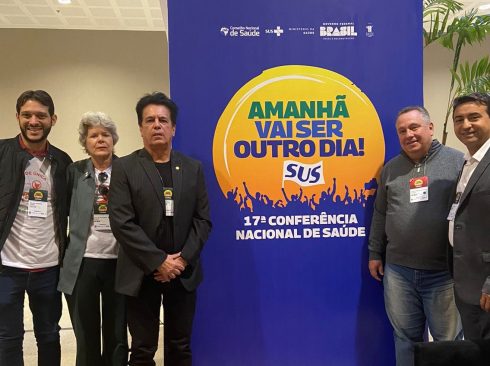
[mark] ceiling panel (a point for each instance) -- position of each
(97, 3)
(11, 10)
(137, 23)
(49, 21)
(19, 21)
(81, 22)
(143, 15)
(103, 12)
(27, 2)
(132, 12)
(107, 22)
(40, 10)
(130, 3)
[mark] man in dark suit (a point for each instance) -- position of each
(160, 216)
(469, 218)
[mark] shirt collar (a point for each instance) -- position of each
(107, 170)
(478, 156)
(37, 154)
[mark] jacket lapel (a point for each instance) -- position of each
(480, 168)
(151, 171)
(86, 187)
(88, 179)
(176, 164)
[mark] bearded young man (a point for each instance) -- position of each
(33, 218)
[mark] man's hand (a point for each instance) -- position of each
(485, 302)
(171, 267)
(376, 269)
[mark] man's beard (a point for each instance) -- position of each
(44, 136)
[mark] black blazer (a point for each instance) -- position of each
(471, 252)
(13, 161)
(136, 213)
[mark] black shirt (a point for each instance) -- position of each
(166, 237)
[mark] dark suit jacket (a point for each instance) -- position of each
(136, 213)
(471, 252)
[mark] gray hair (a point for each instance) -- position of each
(418, 108)
(96, 119)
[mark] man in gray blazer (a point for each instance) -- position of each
(469, 218)
(160, 216)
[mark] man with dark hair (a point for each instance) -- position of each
(159, 214)
(33, 206)
(408, 231)
(469, 217)
(156, 99)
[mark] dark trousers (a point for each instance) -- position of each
(476, 322)
(45, 305)
(95, 281)
(143, 321)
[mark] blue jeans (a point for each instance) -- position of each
(417, 298)
(45, 305)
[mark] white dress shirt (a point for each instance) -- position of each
(468, 169)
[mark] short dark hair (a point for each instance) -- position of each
(478, 98)
(418, 108)
(39, 96)
(157, 98)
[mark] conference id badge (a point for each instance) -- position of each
(101, 222)
(168, 193)
(419, 189)
(101, 216)
(38, 203)
(454, 207)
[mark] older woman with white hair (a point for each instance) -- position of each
(89, 264)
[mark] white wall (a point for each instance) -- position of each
(82, 70)
(110, 70)
(437, 79)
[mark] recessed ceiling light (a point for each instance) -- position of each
(484, 7)
(64, 2)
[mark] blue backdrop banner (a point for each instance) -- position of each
(291, 108)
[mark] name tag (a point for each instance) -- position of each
(454, 207)
(168, 193)
(101, 222)
(419, 189)
(37, 205)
